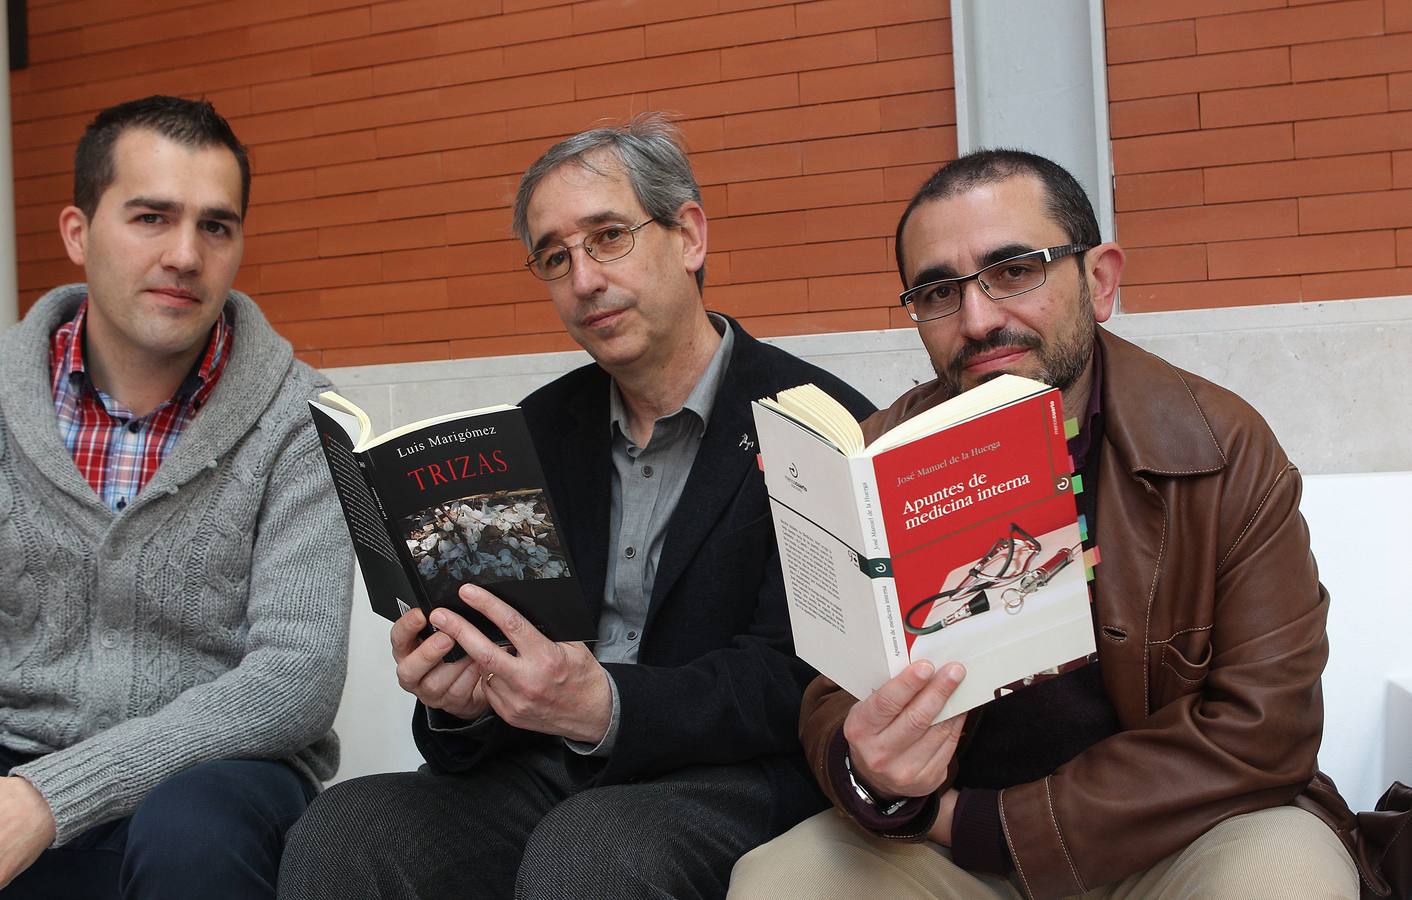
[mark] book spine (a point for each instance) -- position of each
(876, 563)
(367, 467)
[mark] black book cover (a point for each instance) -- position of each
(450, 501)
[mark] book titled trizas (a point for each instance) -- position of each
(451, 500)
(952, 537)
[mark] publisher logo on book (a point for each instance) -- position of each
(793, 479)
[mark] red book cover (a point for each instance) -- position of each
(970, 509)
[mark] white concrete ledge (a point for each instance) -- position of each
(1329, 377)
(1397, 744)
(1355, 521)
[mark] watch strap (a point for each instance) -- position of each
(862, 792)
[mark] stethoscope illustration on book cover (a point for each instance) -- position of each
(1009, 568)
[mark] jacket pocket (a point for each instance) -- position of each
(1188, 671)
(1175, 673)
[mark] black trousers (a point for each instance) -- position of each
(519, 828)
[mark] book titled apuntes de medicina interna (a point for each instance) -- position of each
(952, 537)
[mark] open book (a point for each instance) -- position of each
(952, 537)
(451, 500)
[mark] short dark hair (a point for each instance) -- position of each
(1065, 200)
(194, 123)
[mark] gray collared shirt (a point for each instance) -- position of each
(647, 483)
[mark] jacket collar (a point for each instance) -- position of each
(729, 442)
(1151, 416)
(581, 472)
(730, 449)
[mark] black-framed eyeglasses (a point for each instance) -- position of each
(1000, 281)
(603, 244)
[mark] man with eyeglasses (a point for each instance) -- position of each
(645, 765)
(1182, 760)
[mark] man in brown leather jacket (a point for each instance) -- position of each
(1184, 757)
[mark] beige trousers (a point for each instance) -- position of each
(1275, 853)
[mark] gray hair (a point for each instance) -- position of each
(649, 150)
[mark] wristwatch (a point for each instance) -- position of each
(867, 796)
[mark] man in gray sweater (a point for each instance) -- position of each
(174, 572)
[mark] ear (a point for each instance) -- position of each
(692, 226)
(73, 228)
(1105, 270)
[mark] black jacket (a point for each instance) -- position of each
(716, 681)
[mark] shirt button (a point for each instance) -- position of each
(632, 635)
(646, 471)
(110, 639)
(134, 427)
(630, 553)
(103, 722)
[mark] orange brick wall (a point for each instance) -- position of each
(1262, 149)
(387, 139)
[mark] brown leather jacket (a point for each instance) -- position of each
(1210, 628)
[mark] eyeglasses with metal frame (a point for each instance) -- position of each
(603, 244)
(1000, 281)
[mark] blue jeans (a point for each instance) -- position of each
(213, 831)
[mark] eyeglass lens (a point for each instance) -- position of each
(604, 245)
(1003, 280)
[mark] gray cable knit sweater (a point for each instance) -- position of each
(207, 620)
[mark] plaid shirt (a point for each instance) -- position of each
(115, 451)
